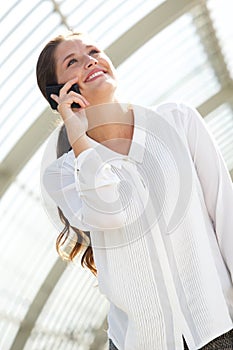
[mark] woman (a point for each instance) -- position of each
(150, 199)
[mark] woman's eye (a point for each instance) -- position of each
(72, 61)
(93, 52)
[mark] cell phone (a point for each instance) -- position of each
(54, 89)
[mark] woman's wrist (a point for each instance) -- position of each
(76, 127)
(81, 144)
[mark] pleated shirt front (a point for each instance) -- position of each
(161, 225)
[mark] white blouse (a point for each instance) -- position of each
(161, 224)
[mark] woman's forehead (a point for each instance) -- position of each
(81, 38)
(73, 43)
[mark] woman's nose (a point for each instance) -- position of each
(91, 61)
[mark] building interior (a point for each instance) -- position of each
(163, 50)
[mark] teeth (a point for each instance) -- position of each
(94, 75)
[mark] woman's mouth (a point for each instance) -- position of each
(94, 75)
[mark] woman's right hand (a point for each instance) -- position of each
(66, 98)
(74, 119)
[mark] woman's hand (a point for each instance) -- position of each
(74, 119)
(66, 98)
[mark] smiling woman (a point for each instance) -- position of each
(133, 184)
(79, 58)
(70, 54)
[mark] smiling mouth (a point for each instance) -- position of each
(94, 75)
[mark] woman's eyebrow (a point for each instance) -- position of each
(71, 54)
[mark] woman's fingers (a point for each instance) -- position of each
(67, 96)
(68, 85)
(68, 99)
(79, 98)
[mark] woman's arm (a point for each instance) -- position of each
(215, 181)
(86, 190)
(80, 183)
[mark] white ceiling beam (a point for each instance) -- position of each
(38, 303)
(148, 27)
(225, 95)
(57, 9)
(24, 149)
(210, 41)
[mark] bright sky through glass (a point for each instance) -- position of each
(221, 13)
(179, 70)
(31, 24)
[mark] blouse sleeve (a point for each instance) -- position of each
(215, 181)
(86, 190)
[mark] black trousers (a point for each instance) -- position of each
(224, 342)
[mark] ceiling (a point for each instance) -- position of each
(163, 50)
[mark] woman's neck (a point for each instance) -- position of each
(111, 124)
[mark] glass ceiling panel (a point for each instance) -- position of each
(27, 27)
(221, 14)
(28, 249)
(220, 123)
(75, 310)
(73, 314)
(21, 101)
(7, 7)
(106, 20)
(172, 65)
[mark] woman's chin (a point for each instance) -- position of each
(103, 93)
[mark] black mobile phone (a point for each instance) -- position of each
(54, 89)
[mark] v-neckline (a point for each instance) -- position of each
(137, 146)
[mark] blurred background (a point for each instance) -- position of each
(163, 50)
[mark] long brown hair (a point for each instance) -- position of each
(46, 75)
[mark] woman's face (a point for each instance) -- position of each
(78, 56)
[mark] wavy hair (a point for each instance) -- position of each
(46, 75)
